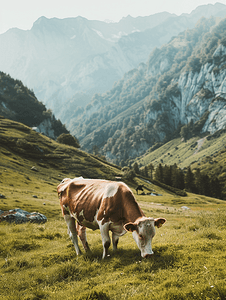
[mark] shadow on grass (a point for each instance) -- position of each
(161, 259)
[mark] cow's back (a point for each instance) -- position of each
(107, 200)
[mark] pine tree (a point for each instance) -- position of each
(199, 182)
(159, 173)
(189, 180)
(206, 185)
(215, 186)
(145, 171)
(177, 177)
(167, 175)
(136, 168)
(184, 133)
(151, 168)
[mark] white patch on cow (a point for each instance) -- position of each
(74, 215)
(110, 190)
(72, 232)
(95, 217)
(65, 179)
(77, 178)
(81, 214)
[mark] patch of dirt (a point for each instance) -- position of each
(199, 145)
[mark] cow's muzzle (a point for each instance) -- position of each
(148, 255)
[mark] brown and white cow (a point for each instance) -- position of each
(108, 206)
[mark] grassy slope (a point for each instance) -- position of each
(39, 261)
(207, 153)
(22, 148)
(185, 153)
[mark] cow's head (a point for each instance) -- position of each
(143, 231)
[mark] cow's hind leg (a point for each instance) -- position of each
(106, 241)
(72, 232)
(115, 239)
(82, 235)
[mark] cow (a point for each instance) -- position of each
(139, 188)
(108, 206)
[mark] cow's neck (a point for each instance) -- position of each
(132, 211)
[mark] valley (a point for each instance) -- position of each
(143, 102)
(39, 260)
(179, 92)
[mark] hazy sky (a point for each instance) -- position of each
(23, 13)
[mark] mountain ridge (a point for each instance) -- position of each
(49, 60)
(180, 83)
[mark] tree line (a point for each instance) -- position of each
(195, 182)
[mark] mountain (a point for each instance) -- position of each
(60, 58)
(66, 61)
(180, 88)
(18, 103)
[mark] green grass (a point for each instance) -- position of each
(40, 262)
(185, 153)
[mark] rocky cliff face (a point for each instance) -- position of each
(183, 83)
(198, 93)
(46, 128)
(205, 91)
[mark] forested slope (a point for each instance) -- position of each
(20, 104)
(181, 84)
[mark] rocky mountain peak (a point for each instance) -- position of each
(62, 58)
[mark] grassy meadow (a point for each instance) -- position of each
(38, 261)
(193, 151)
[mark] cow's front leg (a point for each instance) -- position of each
(106, 241)
(82, 235)
(72, 232)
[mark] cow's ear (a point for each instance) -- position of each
(130, 227)
(159, 222)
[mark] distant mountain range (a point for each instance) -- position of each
(67, 61)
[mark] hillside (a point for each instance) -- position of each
(18, 139)
(38, 261)
(181, 87)
(67, 61)
(205, 153)
(20, 104)
(31, 163)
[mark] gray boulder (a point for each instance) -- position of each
(20, 216)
